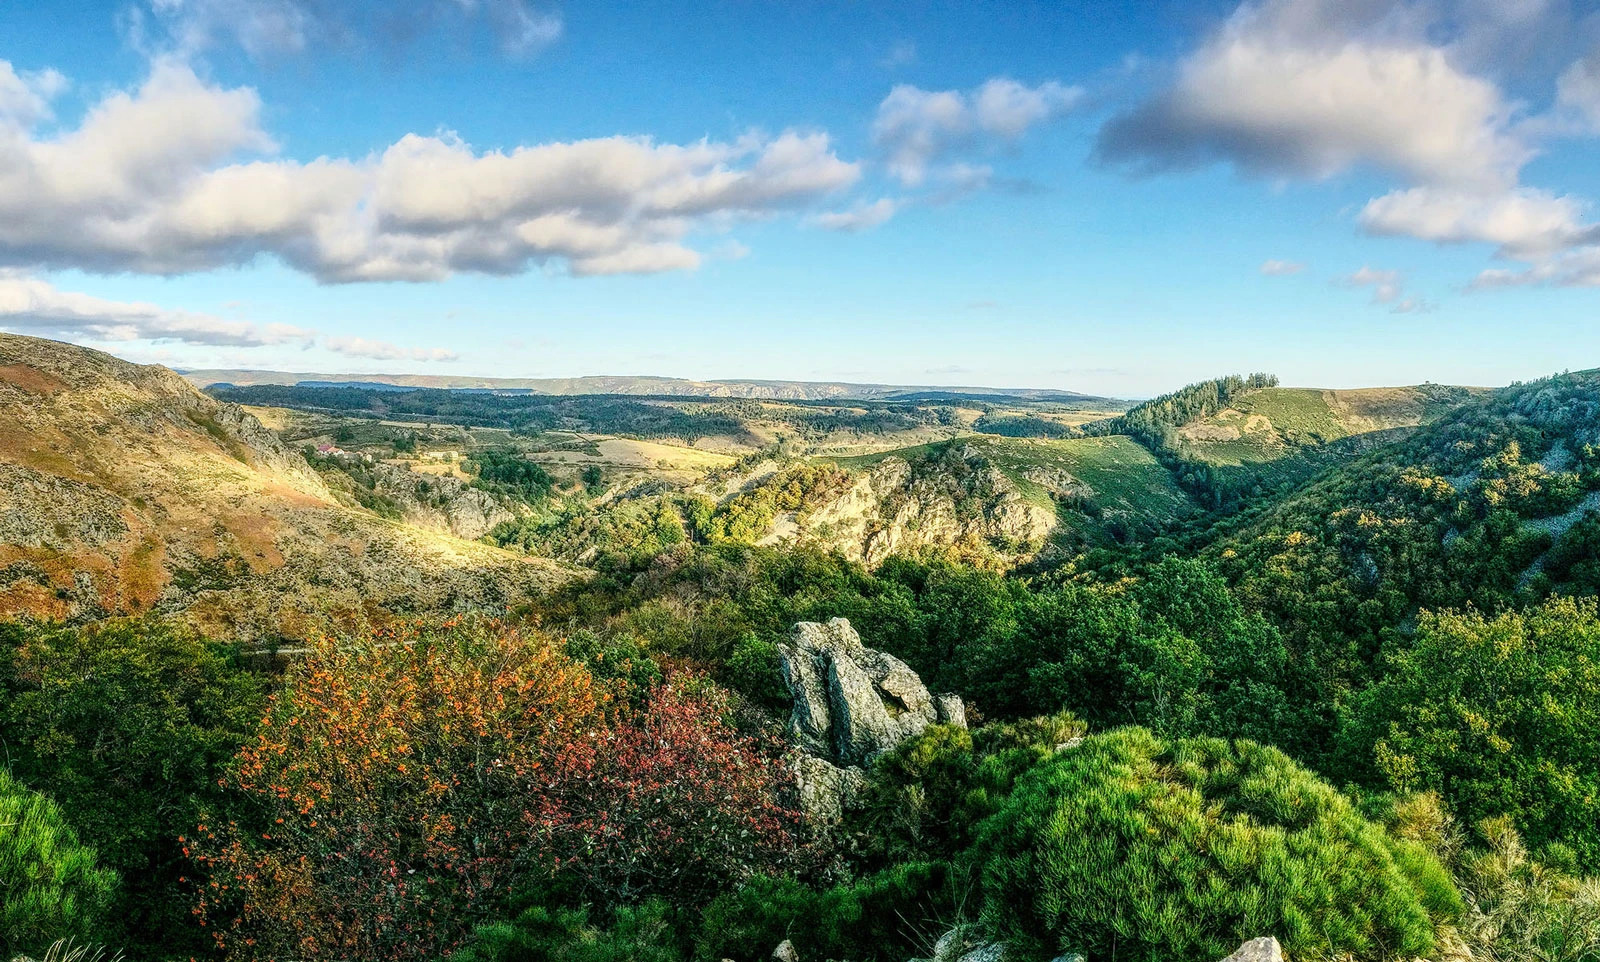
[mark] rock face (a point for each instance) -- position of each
(895, 509)
(851, 704)
(441, 503)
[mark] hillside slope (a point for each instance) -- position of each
(1268, 424)
(988, 499)
(1495, 503)
(123, 488)
(1232, 441)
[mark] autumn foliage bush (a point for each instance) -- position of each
(408, 783)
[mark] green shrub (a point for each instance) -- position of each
(126, 725)
(891, 915)
(1157, 851)
(50, 885)
(923, 800)
(637, 934)
(1497, 715)
(1520, 909)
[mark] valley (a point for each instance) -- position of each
(841, 643)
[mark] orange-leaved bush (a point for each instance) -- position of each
(406, 784)
(404, 781)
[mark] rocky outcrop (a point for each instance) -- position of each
(895, 508)
(826, 790)
(851, 704)
(441, 503)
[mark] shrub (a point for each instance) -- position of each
(407, 781)
(924, 799)
(1497, 715)
(890, 915)
(50, 885)
(1160, 851)
(1518, 909)
(636, 934)
(125, 725)
(677, 804)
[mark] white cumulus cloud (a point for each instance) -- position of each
(1280, 91)
(1522, 222)
(180, 176)
(30, 305)
(915, 128)
(859, 218)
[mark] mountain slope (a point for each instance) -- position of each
(1495, 503)
(985, 498)
(1234, 440)
(123, 488)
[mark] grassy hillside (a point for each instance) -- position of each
(1269, 424)
(1235, 440)
(126, 489)
(1495, 503)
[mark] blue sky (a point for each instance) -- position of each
(1117, 198)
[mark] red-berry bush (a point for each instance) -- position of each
(679, 804)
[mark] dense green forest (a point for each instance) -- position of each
(1356, 714)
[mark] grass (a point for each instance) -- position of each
(1296, 413)
(1274, 424)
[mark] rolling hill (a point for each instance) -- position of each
(1268, 424)
(125, 489)
(634, 385)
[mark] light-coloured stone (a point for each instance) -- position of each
(1265, 949)
(862, 729)
(851, 703)
(949, 709)
(992, 952)
(785, 952)
(810, 722)
(825, 789)
(952, 945)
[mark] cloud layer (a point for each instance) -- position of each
(1311, 89)
(32, 306)
(179, 176)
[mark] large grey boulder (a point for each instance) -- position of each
(862, 728)
(1264, 949)
(853, 703)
